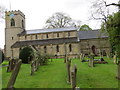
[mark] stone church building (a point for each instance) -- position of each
(56, 41)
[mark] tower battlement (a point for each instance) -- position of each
(15, 12)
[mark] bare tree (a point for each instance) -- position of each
(59, 20)
(2, 11)
(99, 11)
(114, 4)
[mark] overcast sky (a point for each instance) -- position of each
(38, 11)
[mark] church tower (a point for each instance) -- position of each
(15, 24)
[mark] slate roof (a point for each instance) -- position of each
(36, 31)
(44, 42)
(91, 34)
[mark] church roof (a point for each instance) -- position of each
(91, 34)
(36, 31)
(44, 42)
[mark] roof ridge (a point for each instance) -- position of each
(51, 28)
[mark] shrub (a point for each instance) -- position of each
(26, 54)
(43, 59)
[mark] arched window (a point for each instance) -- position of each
(22, 24)
(12, 22)
(57, 48)
(70, 48)
(45, 49)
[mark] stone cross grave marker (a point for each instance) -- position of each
(14, 75)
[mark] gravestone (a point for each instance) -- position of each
(108, 56)
(82, 56)
(65, 58)
(75, 69)
(115, 59)
(118, 72)
(33, 67)
(14, 75)
(73, 77)
(68, 64)
(11, 65)
(91, 61)
(37, 64)
(9, 68)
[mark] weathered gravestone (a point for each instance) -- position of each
(68, 64)
(33, 67)
(37, 64)
(115, 59)
(73, 77)
(14, 75)
(11, 65)
(118, 72)
(65, 58)
(107, 54)
(91, 61)
(82, 56)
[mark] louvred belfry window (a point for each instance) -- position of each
(12, 22)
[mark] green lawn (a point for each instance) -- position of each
(54, 75)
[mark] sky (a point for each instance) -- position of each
(38, 11)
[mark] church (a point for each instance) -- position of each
(56, 42)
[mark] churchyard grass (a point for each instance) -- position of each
(54, 75)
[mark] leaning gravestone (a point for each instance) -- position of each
(14, 75)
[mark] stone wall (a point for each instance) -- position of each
(51, 35)
(100, 44)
